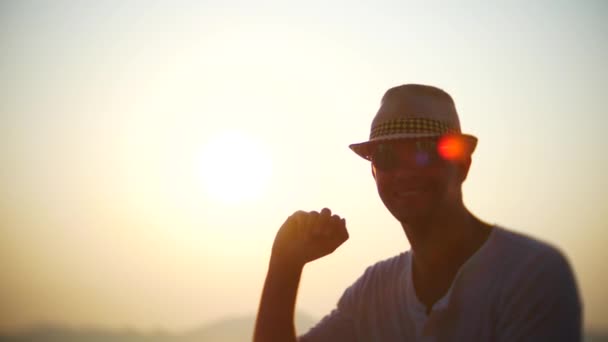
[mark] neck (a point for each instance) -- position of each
(443, 244)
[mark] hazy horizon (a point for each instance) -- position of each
(150, 151)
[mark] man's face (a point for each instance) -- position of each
(414, 181)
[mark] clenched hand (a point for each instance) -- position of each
(307, 236)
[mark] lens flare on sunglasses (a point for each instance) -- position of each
(451, 147)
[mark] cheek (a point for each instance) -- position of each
(383, 182)
(447, 179)
(384, 187)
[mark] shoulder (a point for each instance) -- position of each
(512, 247)
(530, 266)
(369, 297)
(382, 276)
(538, 298)
(384, 270)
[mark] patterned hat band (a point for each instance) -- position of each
(411, 126)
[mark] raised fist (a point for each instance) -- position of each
(306, 236)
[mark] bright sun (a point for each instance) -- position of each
(235, 167)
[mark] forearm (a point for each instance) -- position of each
(275, 320)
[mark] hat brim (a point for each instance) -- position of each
(366, 149)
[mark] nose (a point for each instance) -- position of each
(410, 169)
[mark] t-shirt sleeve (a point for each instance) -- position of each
(544, 304)
(337, 325)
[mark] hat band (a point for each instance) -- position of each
(411, 126)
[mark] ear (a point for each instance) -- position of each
(373, 170)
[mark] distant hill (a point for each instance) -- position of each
(236, 329)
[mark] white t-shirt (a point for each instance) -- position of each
(514, 288)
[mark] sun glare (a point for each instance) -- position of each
(235, 167)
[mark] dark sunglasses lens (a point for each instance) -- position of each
(426, 152)
(384, 158)
(423, 158)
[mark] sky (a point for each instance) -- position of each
(149, 151)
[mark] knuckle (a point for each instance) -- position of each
(297, 214)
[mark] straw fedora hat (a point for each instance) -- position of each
(414, 111)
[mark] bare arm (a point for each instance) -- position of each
(275, 321)
(303, 237)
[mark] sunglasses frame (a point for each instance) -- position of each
(386, 158)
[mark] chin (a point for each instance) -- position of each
(413, 220)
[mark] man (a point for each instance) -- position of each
(462, 279)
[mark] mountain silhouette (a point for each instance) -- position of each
(233, 329)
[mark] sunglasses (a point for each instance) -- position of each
(421, 153)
